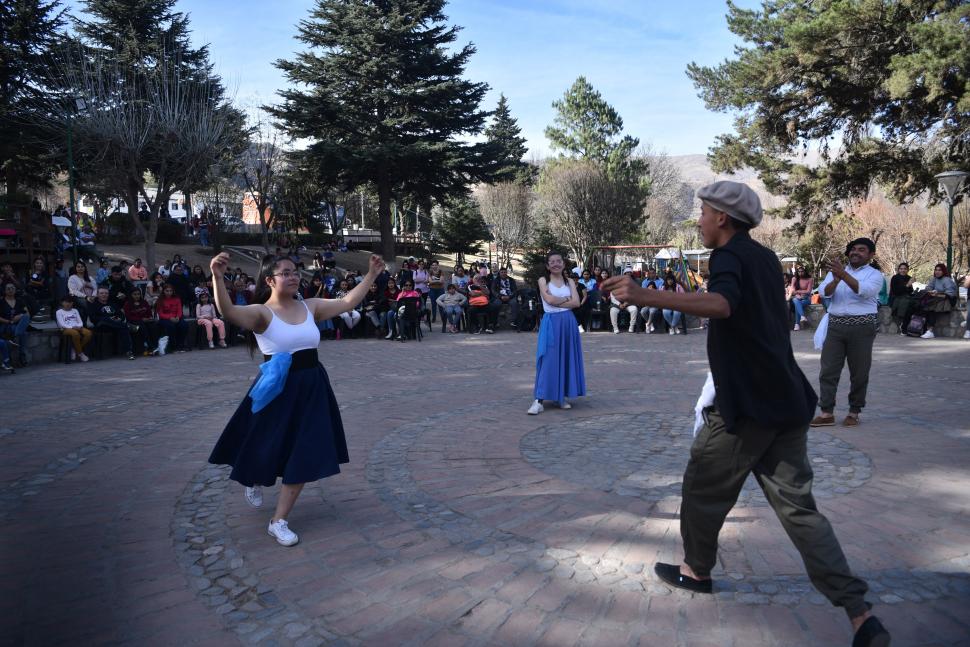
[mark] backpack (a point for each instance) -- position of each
(916, 326)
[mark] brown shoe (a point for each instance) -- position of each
(851, 421)
(822, 421)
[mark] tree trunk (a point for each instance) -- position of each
(384, 216)
(264, 226)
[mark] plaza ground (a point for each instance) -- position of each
(461, 520)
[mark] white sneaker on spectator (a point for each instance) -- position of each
(254, 496)
(671, 332)
(535, 409)
(966, 335)
(677, 331)
(281, 531)
(797, 327)
(581, 329)
(162, 345)
(83, 357)
(616, 331)
(804, 321)
(928, 335)
(389, 335)
(73, 355)
(650, 328)
(963, 324)
(212, 345)
(632, 329)
(222, 343)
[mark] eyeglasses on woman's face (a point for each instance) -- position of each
(288, 274)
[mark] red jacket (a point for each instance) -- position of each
(169, 308)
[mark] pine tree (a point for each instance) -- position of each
(462, 229)
(504, 132)
(380, 87)
(882, 88)
(29, 29)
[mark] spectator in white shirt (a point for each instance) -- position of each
(72, 326)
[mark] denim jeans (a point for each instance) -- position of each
(391, 319)
(672, 317)
(453, 313)
(800, 303)
(5, 351)
(17, 330)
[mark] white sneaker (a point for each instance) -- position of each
(616, 331)
(162, 345)
(804, 320)
(677, 331)
(671, 331)
(83, 357)
(254, 495)
(282, 532)
(966, 335)
(389, 335)
(581, 329)
(211, 345)
(650, 328)
(963, 324)
(633, 330)
(535, 409)
(73, 355)
(797, 327)
(565, 405)
(928, 335)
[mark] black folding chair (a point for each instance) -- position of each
(410, 320)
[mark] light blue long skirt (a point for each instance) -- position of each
(559, 358)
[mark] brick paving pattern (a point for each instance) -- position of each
(460, 520)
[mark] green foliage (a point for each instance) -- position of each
(170, 232)
(885, 82)
(542, 243)
(504, 132)
(462, 229)
(589, 128)
(29, 30)
(381, 88)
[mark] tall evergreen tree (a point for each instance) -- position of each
(380, 88)
(882, 86)
(462, 229)
(504, 132)
(589, 128)
(29, 29)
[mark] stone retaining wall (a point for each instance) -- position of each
(947, 324)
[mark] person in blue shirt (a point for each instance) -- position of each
(647, 313)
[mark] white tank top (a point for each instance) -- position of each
(282, 337)
(555, 291)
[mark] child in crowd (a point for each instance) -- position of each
(205, 315)
(72, 326)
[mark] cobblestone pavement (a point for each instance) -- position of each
(460, 519)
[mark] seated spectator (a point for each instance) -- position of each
(940, 295)
(800, 293)
(436, 288)
(504, 291)
(240, 294)
(602, 276)
(141, 323)
(479, 306)
(5, 365)
(81, 287)
(7, 275)
(407, 292)
(452, 304)
(154, 288)
(71, 323)
(86, 237)
(370, 307)
(14, 319)
(586, 278)
(199, 282)
(388, 306)
(672, 317)
(315, 289)
(171, 324)
(207, 317)
(582, 312)
(900, 297)
(109, 318)
(317, 263)
(352, 317)
(179, 281)
(104, 271)
(119, 287)
(616, 306)
(647, 313)
(460, 280)
(38, 284)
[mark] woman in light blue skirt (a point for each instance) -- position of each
(559, 355)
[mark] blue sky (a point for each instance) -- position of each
(634, 52)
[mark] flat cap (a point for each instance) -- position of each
(733, 198)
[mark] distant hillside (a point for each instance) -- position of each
(696, 172)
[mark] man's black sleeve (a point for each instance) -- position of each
(726, 277)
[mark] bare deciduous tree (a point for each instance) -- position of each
(506, 208)
(586, 207)
(157, 120)
(262, 167)
(902, 232)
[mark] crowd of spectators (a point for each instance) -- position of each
(148, 312)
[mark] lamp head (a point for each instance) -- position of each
(950, 183)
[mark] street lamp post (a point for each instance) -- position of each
(950, 184)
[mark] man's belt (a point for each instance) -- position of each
(854, 320)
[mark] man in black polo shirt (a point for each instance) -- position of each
(758, 421)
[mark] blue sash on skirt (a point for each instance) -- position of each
(559, 358)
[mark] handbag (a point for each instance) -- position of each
(936, 303)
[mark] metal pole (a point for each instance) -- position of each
(70, 184)
(949, 237)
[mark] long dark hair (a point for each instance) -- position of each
(73, 270)
(565, 267)
(267, 269)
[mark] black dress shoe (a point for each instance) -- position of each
(670, 573)
(871, 634)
